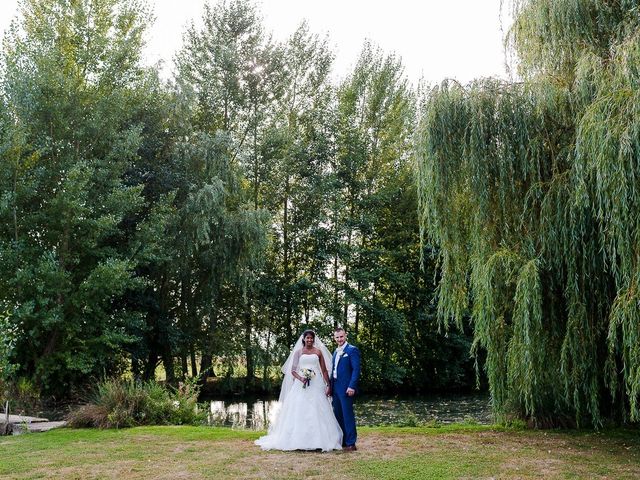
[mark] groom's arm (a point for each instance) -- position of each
(354, 358)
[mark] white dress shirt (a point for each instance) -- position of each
(339, 352)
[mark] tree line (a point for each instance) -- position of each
(197, 224)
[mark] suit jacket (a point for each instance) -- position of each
(348, 370)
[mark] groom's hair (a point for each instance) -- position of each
(308, 332)
(339, 329)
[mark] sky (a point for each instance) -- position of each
(436, 39)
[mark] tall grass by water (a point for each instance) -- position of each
(123, 403)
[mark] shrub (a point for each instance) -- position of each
(120, 403)
(8, 337)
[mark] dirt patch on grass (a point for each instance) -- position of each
(273, 464)
(113, 470)
(529, 453)
(498, 454)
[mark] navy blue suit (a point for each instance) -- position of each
(348, 374)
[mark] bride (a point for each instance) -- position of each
(306, 420)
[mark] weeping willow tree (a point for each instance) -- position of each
(532, 191)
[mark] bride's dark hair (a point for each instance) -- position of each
(308, 332)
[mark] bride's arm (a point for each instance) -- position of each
(323, 367)
(294, 366)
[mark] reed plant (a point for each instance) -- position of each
(118, 403)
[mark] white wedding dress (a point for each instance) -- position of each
(305, 420)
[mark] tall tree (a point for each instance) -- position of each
(220, 62)
(376, 111)
(72, 83)
(228, 72)
(299, 152)
(530, 189)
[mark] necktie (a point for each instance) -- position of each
(339, 351)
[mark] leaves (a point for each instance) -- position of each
(199, 223)
(530, 190)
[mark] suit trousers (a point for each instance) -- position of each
(343, 409)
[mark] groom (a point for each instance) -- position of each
(344, 384)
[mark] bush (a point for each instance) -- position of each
(120, 403)
(8, 338)
(22, 394)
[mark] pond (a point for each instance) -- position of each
(256, 414)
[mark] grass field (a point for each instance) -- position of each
(455, 451)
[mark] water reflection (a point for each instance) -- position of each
(252, 414)
(370, 411)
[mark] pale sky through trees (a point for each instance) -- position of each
(437, 39)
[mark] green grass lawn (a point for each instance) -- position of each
(456, 451)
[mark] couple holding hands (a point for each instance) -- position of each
(312, 376)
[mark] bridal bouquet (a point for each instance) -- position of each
(307, 375)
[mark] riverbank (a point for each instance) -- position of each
(451, 451)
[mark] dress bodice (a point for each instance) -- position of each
(310, 361)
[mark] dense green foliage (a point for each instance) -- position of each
(531, 191)
(120, 403)
(200, 223)
(72, 136)
(7, 344)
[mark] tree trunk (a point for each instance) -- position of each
(206, 363)
(359, 290)
(194, 365)
(150, 367)
(347, 268)
(248, 310)
(135, 367)
(256, 166)
(267, 359)
(335, 290)
(286, 266)
(184, 365)
(357, 322)
(166, 352)
(51, 343)
(169, 367)
(248, 349)
(15, 203)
